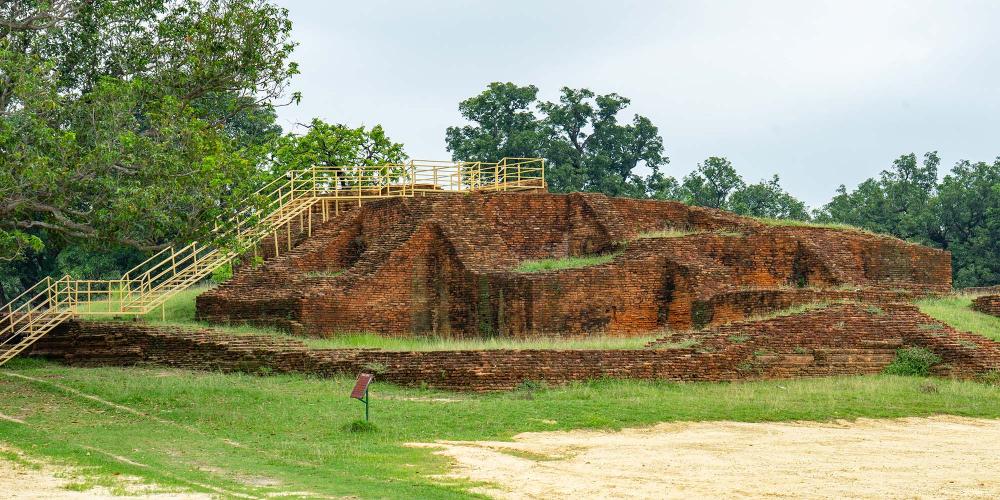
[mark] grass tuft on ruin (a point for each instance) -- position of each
(560, 263)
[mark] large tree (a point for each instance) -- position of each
(336, 145)
(580, 136)
(128, 120)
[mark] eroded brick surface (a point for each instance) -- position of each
(842, 339)
(989, 304)
(444, 266)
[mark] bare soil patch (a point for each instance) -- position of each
(26, 478)
(940, 456)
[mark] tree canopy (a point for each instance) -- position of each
(959, 213)
(127, 120)
(586, 147)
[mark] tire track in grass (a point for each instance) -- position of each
(138, 413)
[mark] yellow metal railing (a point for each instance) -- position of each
(296, 197)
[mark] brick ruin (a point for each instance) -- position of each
(840, 339)
(989, 304)
(447, 266)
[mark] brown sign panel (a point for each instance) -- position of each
(361, 385)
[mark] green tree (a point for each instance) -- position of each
(711, 184)
(899, 202)
(767, 199)
(338, 145)
(960, 214)
(586, 147)
(505, 125)
(968, 208)
(129, 120)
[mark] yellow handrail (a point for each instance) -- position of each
(276, 204)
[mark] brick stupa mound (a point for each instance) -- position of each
(447, 266)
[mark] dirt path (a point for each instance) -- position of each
(25, 478)
(912, 457)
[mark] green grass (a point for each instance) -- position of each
(179, 308)
(955, 310)
(802, 223)
(666, 233)
(537, 266)
(324, 274)
(260, 435)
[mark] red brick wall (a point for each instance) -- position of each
(445, 266)
(841, 339)
(989, 304)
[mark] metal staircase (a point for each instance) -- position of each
(297, 198)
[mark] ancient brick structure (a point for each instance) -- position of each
(840, 339)
(446, 266)
(989, 304)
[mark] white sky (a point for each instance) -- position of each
(821, 93)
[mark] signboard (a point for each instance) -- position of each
(361, 386)
(360, 391)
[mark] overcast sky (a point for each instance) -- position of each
(821, 93)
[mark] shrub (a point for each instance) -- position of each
(738, 339)
(223, 273)
(913, 361)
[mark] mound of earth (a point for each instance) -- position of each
(448, 266)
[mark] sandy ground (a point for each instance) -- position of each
(900, 458)
(27, 478)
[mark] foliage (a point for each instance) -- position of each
(768, 199)
(130, 120)
(913, 361)
(961, 213)
(586, 147)
(336, 145)
(711, 184)
(287, 427)
(716, 184)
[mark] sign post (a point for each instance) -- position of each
(360, 391)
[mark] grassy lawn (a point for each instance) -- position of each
(259, 435)
(956, 311)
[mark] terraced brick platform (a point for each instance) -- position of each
(840, 339)
(447, 266)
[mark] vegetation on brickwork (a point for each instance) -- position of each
(324, 274)
(956, 311)
(666, 233)
(912, 361)
(283, 433)
(555, 264)
(803, 223)
(795, 310)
